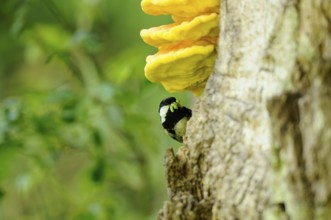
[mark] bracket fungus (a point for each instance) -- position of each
(186, 48)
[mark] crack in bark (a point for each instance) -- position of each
(287, 117)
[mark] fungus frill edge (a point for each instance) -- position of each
(198, 27)
(183, 69)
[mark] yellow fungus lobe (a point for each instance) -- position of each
(180, 8)
(198, 27)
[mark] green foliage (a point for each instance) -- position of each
(79, 132)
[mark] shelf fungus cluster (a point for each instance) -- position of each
(186, 48)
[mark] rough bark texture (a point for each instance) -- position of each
(259, 142)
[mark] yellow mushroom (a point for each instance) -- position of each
(186, 49)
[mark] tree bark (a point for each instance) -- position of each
(259, 142)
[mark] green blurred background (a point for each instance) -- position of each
(80, 136)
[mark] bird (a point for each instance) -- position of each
(174, 117)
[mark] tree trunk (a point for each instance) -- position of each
(259, 142)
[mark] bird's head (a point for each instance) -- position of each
(171, 102)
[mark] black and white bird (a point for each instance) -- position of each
(174, 118)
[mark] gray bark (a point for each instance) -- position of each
(259, 142)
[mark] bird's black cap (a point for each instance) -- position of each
(167, 101)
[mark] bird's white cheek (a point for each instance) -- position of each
(163, 112)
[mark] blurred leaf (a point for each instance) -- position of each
(12, 109)
(2, 193)
(104, 93)
(51, 37)
(8, 156)
(127, 65)
(24, 182)
(98, 171)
